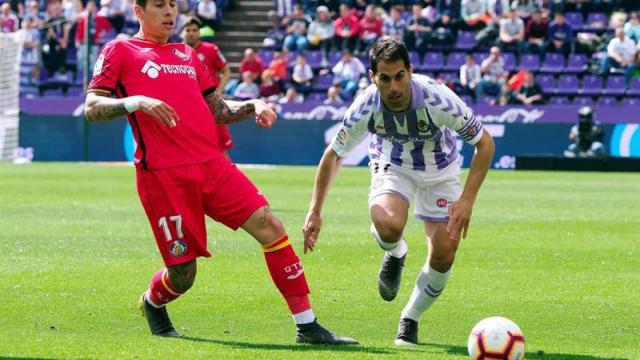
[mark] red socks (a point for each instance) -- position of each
(287, 273)
(161, 291)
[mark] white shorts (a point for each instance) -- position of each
(433, 192)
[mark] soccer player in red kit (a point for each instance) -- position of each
(168, 96)
(211, 56)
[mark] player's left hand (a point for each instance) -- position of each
(459, 218)
(265, 115)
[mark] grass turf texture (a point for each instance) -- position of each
(558, 253)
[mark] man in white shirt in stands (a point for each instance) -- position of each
(621, 53)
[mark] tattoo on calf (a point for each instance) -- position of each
(263, 218)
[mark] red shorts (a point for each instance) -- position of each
(177, 199)
(224, 138)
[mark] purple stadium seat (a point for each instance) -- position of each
(530, 62)
(553, 63)
(559, 100)
(509, 61)
(591, 85)
(546, 82)
(323, 83)
(318, 97)
(414, 57)
(577, 63)
(616, 85)
(596, 21)
(630, 101)
(314, 58)
(455, 61)
(607, 101)
(583, 100)
(334, 57)
(574, 19)
(467, 99)
(634, 89)
(266, 56)
(433, 61)
(567, 85)
(466, 40)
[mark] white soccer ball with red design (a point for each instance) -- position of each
(496, 338)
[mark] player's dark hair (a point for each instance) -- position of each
(192, 20)
(388, 50)
(141, 3)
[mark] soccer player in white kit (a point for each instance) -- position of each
(413, 156)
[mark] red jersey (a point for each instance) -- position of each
(171, 73)
(211, 56)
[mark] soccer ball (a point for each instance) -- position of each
(496, 338)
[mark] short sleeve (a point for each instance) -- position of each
(218, 60)
(355, 123)
(106, 71)
(205, 81)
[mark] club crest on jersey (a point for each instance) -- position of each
(180, 54)
(201, 57)
(178, 248)
(423, 126)
(442, 203)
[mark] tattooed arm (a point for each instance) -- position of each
(231, 112)
(102, 107)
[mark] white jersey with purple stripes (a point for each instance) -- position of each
(420, 138)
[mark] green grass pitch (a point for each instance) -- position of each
(558, 253)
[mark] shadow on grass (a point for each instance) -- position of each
(27, 358)
(461, 350)
(263, 346)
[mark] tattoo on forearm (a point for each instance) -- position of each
(229, 112)
(102, 108)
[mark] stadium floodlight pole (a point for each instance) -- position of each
(86, 77)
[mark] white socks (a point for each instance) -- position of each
(304, 317)
(426, 291)
(397, 249)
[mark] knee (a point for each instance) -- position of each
(269, 223)
(182, 276)
(442, 261)
(388, 231)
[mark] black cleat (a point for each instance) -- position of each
(407, 333)
(314, 333)
(158, 319)
(390, 276)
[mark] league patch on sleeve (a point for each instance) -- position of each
(343, 136)
(97, 68)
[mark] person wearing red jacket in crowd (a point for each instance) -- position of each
(370, 29)
(101, 26)
(347, 29)
(253, 64)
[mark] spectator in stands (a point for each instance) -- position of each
(102, 26)
(470, 75)
(207, 13)
(291, 97)
(621, 53)
(395, 25)
(302, 75)
(279, 65)
(276, 33)
(33, 12)
(445, 31)
(333, 96)
(347, 72)
(115, 10)
(370, 29)
(537, 33)
(475, 14)
(8, 20)
(251, 63)
(530, 93)
(270, 89)
(560, 35)
(524, 8)
(296, 39)
(31, 48)
(429, 11)
(586, 136)
(71, 9)
(17, 7)
(493, 75)
(284, 7)
(347, 29)
(418, 34)
(321, 32)
(632, 27)
(511, 33)
(247, 89)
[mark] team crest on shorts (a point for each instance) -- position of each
(180, 54)
(178, 248)
(442, 203)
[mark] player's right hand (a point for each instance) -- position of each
(311, 230)
(161, 111)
